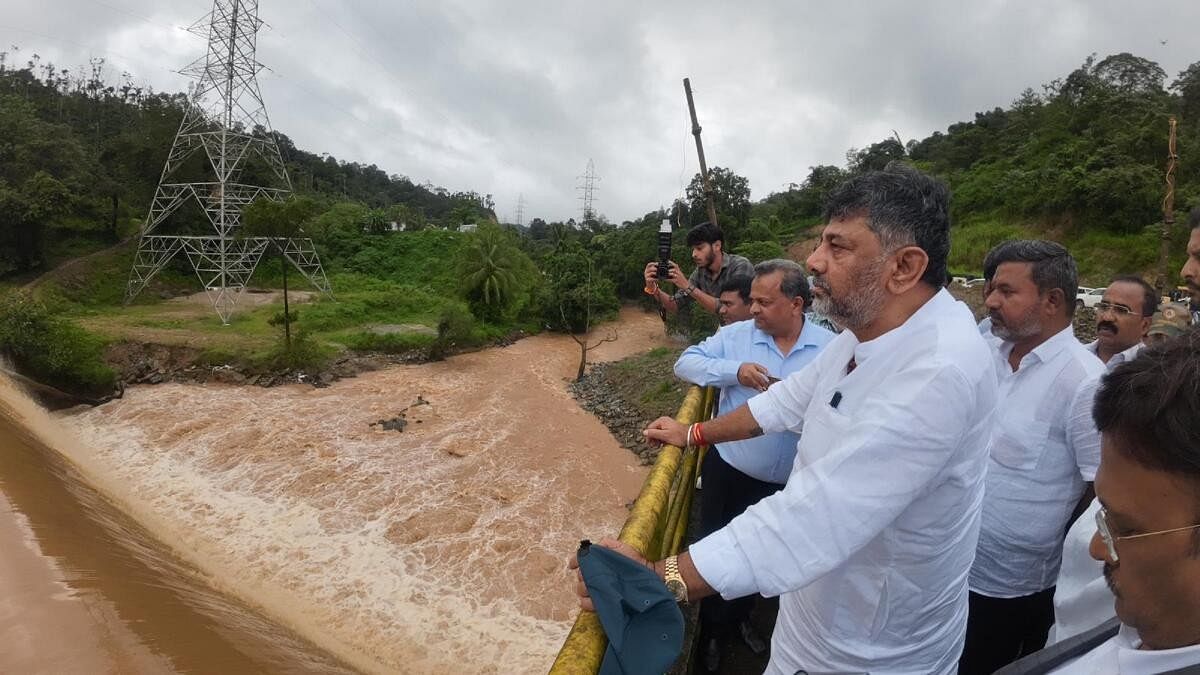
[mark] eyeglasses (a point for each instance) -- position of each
(1111, 542)
(1119, 310)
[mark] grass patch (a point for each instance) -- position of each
(649, 380)
(390, 343)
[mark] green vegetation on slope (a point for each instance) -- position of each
(1080, 162)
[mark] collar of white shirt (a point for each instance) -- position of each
(893, 341)
(1045, 351)
(1118, 358)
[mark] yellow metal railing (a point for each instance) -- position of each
(656, 527)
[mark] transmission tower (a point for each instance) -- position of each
(520, 210)
(587, 191)
(225, 117)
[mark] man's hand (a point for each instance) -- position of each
(651, 275)
(754, 376)
(585, 601)
(676, 275)
(666, 431)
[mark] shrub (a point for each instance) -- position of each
(52, 350)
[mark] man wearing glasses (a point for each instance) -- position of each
(1043, 451)
(1122, 318)
(1148, 530)
(1081, 598)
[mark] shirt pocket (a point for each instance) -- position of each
(823, 428)
(1019, 444)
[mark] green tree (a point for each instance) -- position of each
(43, 169)
(758, 251)
(575, 296)
(496, 274)
(731, 194)
(280, 222)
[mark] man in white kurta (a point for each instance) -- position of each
(871, 541)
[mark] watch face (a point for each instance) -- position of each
(677, 589)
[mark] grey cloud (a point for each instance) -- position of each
(515, 97)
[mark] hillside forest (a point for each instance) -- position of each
(1079, 160)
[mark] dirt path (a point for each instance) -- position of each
(71, 264)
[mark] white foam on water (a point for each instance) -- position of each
(440, 549)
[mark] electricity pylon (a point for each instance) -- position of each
(225, 117)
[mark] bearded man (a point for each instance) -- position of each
(871, 540)
(1043, 453)
(714, 266)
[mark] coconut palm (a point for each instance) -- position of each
(490, 267)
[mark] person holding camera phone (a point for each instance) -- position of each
(713, 267)
(743, 359)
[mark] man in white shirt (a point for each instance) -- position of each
(870, 542)
(743, 359)
(1043, 452)
(1123, 316)
(1081, 598)
(1147, 533)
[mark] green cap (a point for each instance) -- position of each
(1172, 320)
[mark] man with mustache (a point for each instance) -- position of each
(1123, 316)
(1043, 452)
(743, 359)
(713, 267)
(1081, 600)
(1191, 269)
(1147, 533)
(871, 540)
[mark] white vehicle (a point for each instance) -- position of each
(1088, 297)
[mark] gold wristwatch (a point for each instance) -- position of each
(674, 580)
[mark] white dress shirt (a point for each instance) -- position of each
(715, 362)
(1082, 600)
(1044, 449)
(1121, 655)
(871, 540)
(1118, 358)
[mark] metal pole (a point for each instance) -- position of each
(1168, 209)
(708, 191)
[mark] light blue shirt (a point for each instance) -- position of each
(715, 362)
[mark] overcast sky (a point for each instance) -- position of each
(514, 97)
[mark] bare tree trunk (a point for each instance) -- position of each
(112, 225)
(287, 317)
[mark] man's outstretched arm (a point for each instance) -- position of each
(735, 426)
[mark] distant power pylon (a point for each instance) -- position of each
(587, 192)
(520, 210)
(225, 117)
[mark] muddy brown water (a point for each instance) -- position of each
(212, 528)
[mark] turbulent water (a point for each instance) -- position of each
(440, 548)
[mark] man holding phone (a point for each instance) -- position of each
(713, 267)
(744, 359)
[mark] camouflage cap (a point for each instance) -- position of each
(1172, 320)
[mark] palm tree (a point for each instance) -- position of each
(489, 266)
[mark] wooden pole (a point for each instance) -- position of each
(708, 191)
(1168, 209)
